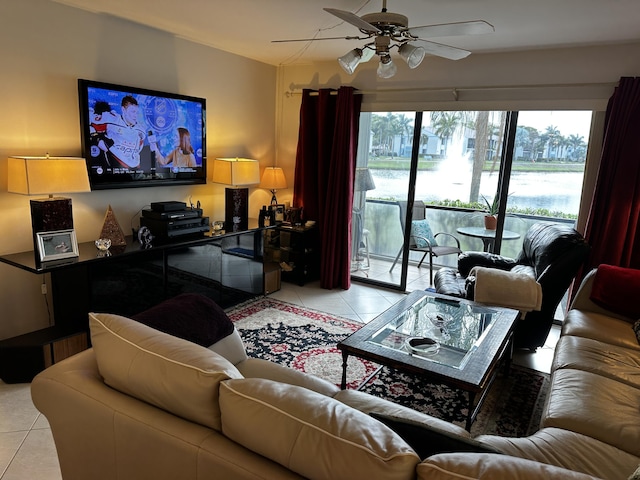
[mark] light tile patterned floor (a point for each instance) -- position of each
(27, 451)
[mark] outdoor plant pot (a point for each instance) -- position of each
(490, 222)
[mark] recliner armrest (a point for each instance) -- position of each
(468, 260)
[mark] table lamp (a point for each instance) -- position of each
(237, 173)
(48, 176)
(273, 179)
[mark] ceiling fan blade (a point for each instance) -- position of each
(322, 38)
(475, 27)
(353, 19)
(444, 51)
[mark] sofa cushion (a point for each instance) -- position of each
(615, 288)
(599, 327)
(191, 316)
(569, 450)
(311, 434)
(427, 440)
(168, 372)
(231, 347)
(595, 406)
(467, 466)
(613, 361)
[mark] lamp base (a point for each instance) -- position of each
(50, 214)
(236, 209)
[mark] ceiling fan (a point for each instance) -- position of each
(391, 30)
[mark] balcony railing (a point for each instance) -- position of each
(382, 220)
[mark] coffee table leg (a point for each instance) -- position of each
(343, 384)
(471, 412)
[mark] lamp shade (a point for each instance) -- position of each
(364, 180)
(386, 67)
(273, 178)
(412, 54)
(47, 175)
(236, 171)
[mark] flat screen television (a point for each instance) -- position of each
(134, 137)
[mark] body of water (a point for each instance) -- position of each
(554, 191)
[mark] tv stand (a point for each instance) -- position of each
(227, 268)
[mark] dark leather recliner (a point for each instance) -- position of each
(551, 253)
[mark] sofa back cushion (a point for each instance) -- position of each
(171, 373)
(312, 434)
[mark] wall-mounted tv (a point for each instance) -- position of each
(135, 137)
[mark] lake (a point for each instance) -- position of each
(552, 191)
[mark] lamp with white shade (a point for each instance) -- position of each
(48, 176)
(273, 179)
(237, 173)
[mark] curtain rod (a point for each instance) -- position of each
(296, 90)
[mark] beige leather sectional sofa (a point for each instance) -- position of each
(142, 404)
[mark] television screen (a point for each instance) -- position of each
(134, 137)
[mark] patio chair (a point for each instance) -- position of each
(422, 239)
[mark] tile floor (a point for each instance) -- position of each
(27, 451)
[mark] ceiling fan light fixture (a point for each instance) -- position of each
(411, 54)
(386, 67)
(350, 60)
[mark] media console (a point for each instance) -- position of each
(227, 268)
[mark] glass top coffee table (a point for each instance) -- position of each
(445, 340)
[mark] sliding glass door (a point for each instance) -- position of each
(460, 162)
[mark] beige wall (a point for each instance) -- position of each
(45, 47)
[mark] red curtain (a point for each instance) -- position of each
(325, 166)
(612, 227)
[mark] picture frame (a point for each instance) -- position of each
(57, 245)
(279, 209)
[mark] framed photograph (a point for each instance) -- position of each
(279, 212)
(57, 245)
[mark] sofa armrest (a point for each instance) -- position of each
(468, 260)
(489, 466)
(258, 368)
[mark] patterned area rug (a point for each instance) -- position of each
(306, 340)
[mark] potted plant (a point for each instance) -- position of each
(491, 213)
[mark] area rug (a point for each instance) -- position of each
(306, 340)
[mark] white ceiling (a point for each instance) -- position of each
(246, 27)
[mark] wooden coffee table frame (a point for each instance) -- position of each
(475, 377)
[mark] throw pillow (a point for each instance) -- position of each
(616, 289)
(190, 316)
(636, 328)
(428, 441)
(421, 230)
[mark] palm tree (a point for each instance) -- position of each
(578, 147)
(444, 125)
(552, 136)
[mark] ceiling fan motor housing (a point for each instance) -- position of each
(386, 21)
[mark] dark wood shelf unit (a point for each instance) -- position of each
(227, 268)
(297, 250)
